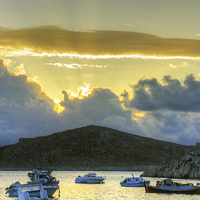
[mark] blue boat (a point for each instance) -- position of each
(134, 182)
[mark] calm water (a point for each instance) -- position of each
(111, 189)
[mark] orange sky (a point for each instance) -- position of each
(131, 65)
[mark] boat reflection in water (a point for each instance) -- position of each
(90, 178)
(169, 186)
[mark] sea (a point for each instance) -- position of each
(110, 190)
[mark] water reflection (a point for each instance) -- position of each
(110, 190)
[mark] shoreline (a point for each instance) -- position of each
(136, 168)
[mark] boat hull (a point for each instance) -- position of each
(89, 180)
(172, 189)
(129, 184)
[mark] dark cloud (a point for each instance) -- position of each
(173, 126)
(26, 111)
(19, 89)
(102, 103)
(171, 108)
(24, 108)
(173, 94)
(98, 107)
(171, 122)
(126, 96)
(97, 42)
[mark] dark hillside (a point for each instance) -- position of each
(90, 148)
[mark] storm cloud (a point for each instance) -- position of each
(150, 95)
(55, 39)
(101, 107)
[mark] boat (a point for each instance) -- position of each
(134, 182)
(90, 178)
(42, 176)
(50, 184)
(32, 192)
(170, 186)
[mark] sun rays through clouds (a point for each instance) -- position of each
(114, 65)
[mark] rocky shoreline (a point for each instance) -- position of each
(187, 167)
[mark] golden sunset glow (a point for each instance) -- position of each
(140, 114)
(29, 52)
(132, 65)
(82, 92)
(58, 108)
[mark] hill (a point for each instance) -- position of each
(90, 148)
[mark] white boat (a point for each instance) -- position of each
(38, 175)
(134, 182)
(32, 192)
(90, 178)
(43, 176)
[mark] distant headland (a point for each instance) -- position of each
(91, 148)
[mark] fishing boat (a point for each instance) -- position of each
(134, 182)
(32, 192)
(169, 186)
(90, 178)
(50, 184)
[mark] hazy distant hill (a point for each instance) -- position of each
(90, 148)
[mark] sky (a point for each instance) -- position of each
(131, 65)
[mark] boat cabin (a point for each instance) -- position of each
(134, 180)
(91, 174)
(39, 174)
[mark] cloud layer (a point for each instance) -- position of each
(54, 39)
(168, 111)
(150, 95)
(26, 111)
